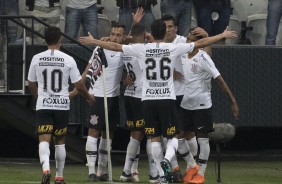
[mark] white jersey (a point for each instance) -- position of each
(198, 73)
(157, 62)
(113, 76)
(52, 69)
(179, 84)
(134, 70)
(78, 4)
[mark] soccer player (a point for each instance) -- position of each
(51, 70)
(172, 37)
(158, 96)
(196, 106)
(135, 118)
(113, 69)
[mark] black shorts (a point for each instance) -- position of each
(160, 118)
(178, 102)
(135, 119)
(52, 122)
(97, 114)
(196, 120)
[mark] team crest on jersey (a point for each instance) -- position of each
(94, 120)
(194, 68)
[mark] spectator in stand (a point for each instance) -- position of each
(128, 7)
(213, 15)
(10, 7)
(181, 10)
(273, 19)
(81, 12)
(47, 11)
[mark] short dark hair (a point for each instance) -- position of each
(52, 35)
(137, 30)
(117, 25)
(169, 18)
(158, 29)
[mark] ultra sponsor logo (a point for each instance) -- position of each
(149, 131)
(62, 131)
(130, 124)
(171, 131)
(45, 129)
(140, 123)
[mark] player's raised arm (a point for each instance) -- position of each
(90, 40)
(210, 40)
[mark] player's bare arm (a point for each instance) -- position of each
(33, 88)
(74, 92)
(210, 40)
(83, 91)
(90, 40)
(234, 106)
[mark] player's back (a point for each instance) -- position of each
(52, 70)
(157, 61)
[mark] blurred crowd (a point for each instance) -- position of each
(81, 16)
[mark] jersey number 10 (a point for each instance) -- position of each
(56, 80)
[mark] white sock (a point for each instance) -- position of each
(131, 153)
(158, 156)
(44, 154)
(171, 148)
(60, 157)
(183, 149)
(173, 162)
(91, 154)
(103, 157)
(204, 155)
(193, 145)
(153, 171)
(134, 167)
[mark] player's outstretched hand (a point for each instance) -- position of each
(177, 75)
(91, 99)
(138, 15)
(128, 81)
(229, 34)
(86, 40)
